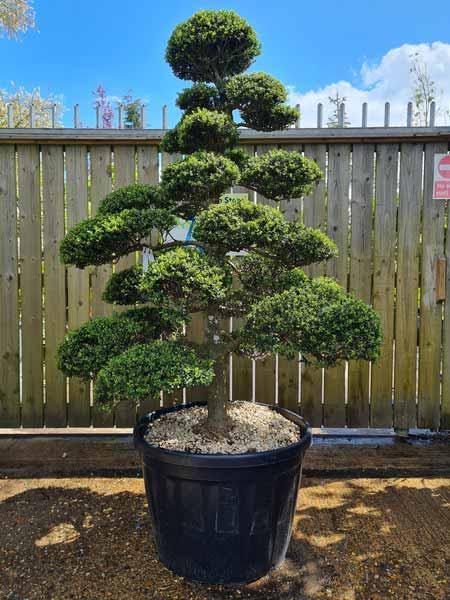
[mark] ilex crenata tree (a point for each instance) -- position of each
(137, 353)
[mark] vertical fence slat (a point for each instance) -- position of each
(147, 164)
(242, 367)
(445, 407)
(101, 185)
(265, 373)
(148, 172)
(360, 272)
(289, 369)
(407, 286)
(338, 221)
(77, 279)
(125, 173)
(31, 285)
(194, 328)
(314, 215)
(54, 283)
(9, 299)
(385, 234)
(430, 307)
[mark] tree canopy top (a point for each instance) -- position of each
(211, 46)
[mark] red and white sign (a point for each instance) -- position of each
(441, 179)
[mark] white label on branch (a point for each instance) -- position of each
(147, 258)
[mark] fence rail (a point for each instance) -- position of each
(375, 202)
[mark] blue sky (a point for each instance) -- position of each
(310, 46)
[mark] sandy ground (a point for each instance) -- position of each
(361, 539)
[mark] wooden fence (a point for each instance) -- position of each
(375, 202)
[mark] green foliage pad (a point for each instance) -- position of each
(136, 354)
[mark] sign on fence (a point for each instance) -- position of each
(441, 180)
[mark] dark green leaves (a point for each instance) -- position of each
(241, 225)
(281, 175)
(141, 372)
(200, 95)
(317, 319)
(124, 287)
(211, 46)
(107, 237)
(188, 278)
(260, 99)
(86, 350)
(198, 180)
(137, 195)
(201, 129)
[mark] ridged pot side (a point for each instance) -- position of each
(222, 518)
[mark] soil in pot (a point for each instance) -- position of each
(251, 428)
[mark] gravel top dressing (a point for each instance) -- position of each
(253, 428)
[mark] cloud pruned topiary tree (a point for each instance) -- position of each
(138, 353)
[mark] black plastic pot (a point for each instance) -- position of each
(221, 518)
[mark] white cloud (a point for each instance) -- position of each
(389, 80)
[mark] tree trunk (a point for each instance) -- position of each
(218, 390)
(218, 395)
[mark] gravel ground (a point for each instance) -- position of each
(253, 428)
(354, 539)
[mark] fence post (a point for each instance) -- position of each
(364, 115)
(143, 116)
(387, 114)
(320, 115)
(76, 116)
(432, 114)
(341, 115)
(53, 115)
(10, 115)
(409, 115)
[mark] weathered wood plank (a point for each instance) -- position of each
(314, 215)
(9, 299)
(77, 279)
(360, 272)
(430, 307)
(54, 283)
(445, 405)
(194, 327)
(101, 185)
(124, 174)
(337, 229)
(265, 369)
(147, 159)
(31, 286)
(289, 369)
(407, 285)
(385, 237)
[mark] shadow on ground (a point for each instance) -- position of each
(355, 539)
